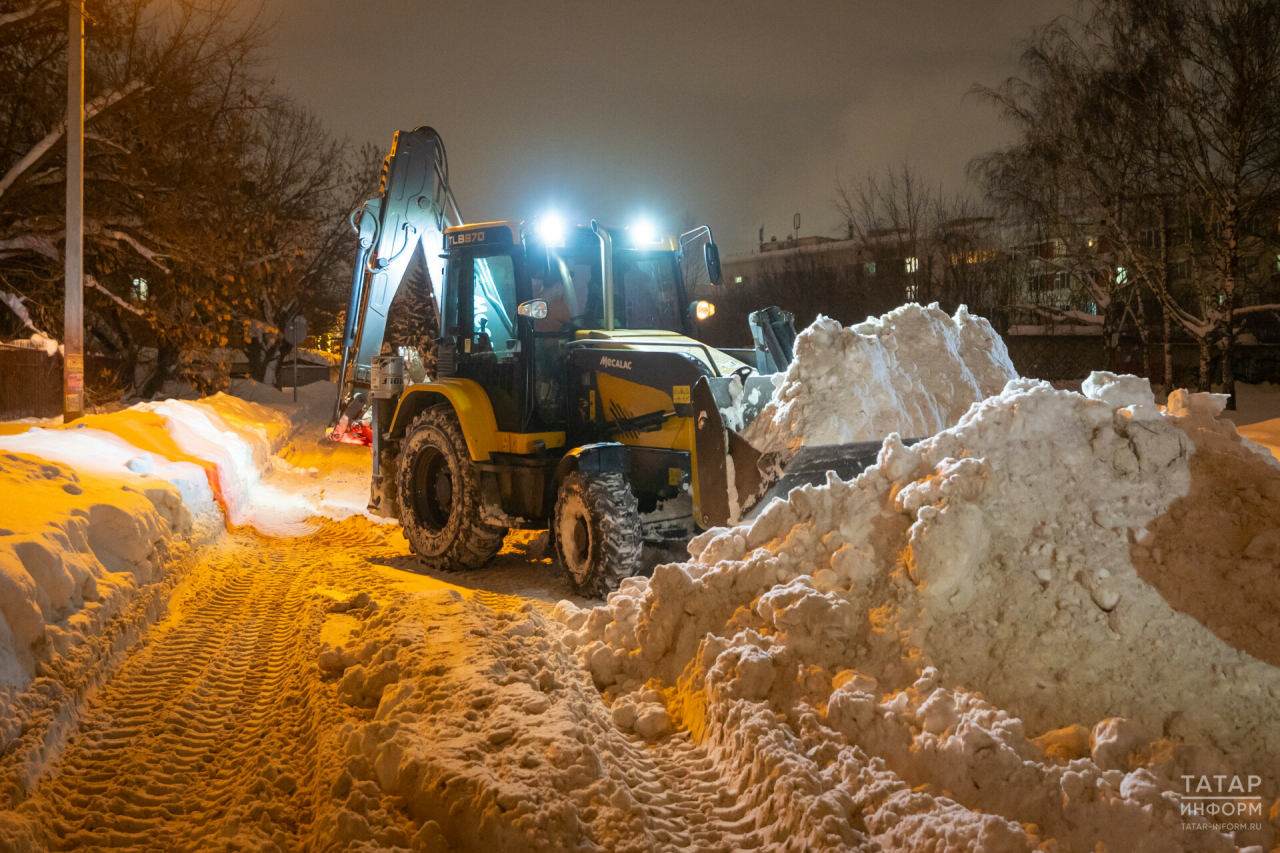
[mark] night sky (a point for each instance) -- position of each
(741, 113)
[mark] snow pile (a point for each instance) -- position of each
(913, 371)
(96, 508)
(75, 549)
(954, 652)
(839, 640)
(230, 440)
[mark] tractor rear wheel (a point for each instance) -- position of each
(438, 492)
(597, 532)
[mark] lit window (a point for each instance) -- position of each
(913, 291)
(139, 290)
(1121, 275)
(737, 279)
(870, 267)
(913, 265)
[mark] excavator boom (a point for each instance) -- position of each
(412, 209)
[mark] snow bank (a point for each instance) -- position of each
(913, 371)
(230, 440)
(73, 541)
(75, 549)
(1000, 580)
(96, 506)
(1266, 435)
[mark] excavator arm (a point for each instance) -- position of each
(413, 207)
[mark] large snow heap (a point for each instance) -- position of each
(918, 625)
(914, 371)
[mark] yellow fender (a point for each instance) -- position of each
(475, 413)
(469, 402)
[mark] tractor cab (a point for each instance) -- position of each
(517, 299)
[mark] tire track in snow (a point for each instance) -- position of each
(211, 732)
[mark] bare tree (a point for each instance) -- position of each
(891, 214)
(934, 246)
(1144, 125)
(214, 207)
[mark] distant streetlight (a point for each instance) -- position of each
(73, 317)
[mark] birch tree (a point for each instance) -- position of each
(1144, 121)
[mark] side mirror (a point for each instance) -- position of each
(534, 309)
(711, 254)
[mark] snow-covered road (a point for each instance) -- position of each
(219, 729)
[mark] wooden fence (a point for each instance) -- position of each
(30, 384)
(31, 381)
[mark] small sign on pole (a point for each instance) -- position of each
(295, 332)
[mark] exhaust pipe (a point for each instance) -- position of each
(606, 271)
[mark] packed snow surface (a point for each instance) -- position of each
(913, 371)
(1025, 632)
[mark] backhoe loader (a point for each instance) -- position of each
(567, 389)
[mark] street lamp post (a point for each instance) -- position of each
(73, 333)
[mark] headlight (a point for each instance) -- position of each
(644, 233)
(702, 309)
(551, 230)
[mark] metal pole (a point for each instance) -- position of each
(295, 372)
(73, 320)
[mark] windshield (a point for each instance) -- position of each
(570, 286)
(646, 290)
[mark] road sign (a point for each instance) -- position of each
(295, 332)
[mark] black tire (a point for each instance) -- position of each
(438, 492)
(597, 532)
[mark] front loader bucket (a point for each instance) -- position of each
(719, 450)
(735, 480)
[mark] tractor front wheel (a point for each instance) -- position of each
(597, 532)
(438, 492)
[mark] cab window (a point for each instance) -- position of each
(645, 287)
(494, 303)
(567, 288)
